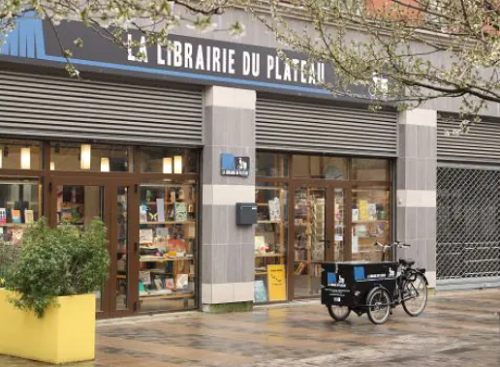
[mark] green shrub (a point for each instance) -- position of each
(8, 256)
(58, 262)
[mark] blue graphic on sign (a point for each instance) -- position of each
(228, 162)
(331, 278)
(359, 272)
(234, 166)
(26, 39)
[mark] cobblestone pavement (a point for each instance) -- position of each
(457, 329)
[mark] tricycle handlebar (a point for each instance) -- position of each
(394, 244)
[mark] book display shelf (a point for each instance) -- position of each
(79, 204)
(20, 205)
(167, 235)
(370, 222)
(270, 238)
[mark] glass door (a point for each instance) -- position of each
(78, 203)
(310, 239)
(338, 250)
(124, 251)
(318, 235)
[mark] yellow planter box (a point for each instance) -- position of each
(65, 334)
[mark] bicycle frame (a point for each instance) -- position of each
(406, 273)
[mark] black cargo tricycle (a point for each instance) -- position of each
(373, 288)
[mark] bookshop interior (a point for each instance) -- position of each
(310, 209)
(76, 182)
(313, 209)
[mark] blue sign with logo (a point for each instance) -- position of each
(234, 166)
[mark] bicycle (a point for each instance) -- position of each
(374, 288)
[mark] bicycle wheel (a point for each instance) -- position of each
(415, 295)
(379, 305)
(338, 313)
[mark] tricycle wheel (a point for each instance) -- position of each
(338, 313)
(379, 305)
(415, 295)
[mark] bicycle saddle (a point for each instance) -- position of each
(406, 262)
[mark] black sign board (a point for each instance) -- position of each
(234, 166)
(195, 60)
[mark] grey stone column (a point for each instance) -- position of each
(227, 269)
(416, 188)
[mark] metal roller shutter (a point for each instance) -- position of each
(298, 126)
(468, 226)
(43, 106)
(481, 144)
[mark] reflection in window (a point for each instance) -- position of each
(370, 222)
(168, 160)
(89, 157)
(272, 165)
(319, 167)
(20, 154)
(370, 169)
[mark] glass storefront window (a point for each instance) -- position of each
(168, 160)
(370, 221)
(365, 169)
(90, 157)
(271, 165)
(270, 243)
(20, 154)
(166, 209)
(167, 238)
(20, 205)
(319, 167)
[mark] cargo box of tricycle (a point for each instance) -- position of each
(348, 283)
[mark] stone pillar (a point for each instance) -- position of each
(227, 251)
(416, 188)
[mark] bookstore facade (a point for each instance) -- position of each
(89, 168)
(311, 208)
(165, 152)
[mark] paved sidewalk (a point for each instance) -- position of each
(457, 329)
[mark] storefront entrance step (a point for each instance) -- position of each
(147, 318)
(296, 303)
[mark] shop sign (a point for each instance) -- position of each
(234, 166)
(190, 59)
(277, 282)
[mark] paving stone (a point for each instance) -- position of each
(457, 328)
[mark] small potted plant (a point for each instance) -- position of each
(47, 309)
